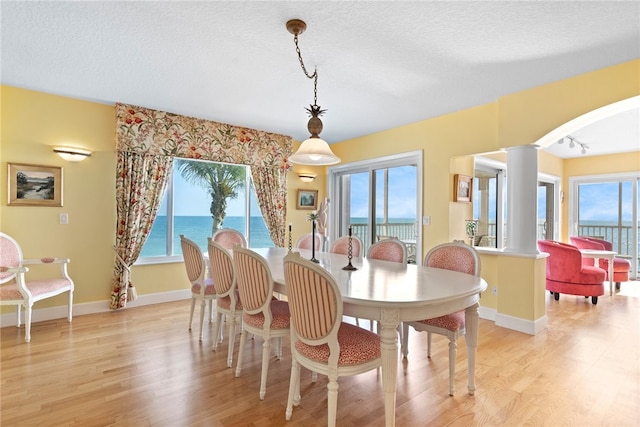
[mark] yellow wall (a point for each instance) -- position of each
(33, 122)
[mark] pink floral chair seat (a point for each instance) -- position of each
(390, 249)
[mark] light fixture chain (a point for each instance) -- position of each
(313, 76)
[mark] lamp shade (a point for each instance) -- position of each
(72, 154)
(315, 152)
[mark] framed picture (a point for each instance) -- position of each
(33, 185)
(307, 199)
(462, 188)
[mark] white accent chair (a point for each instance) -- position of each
(16, 290)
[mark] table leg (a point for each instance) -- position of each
(471, 338)
(610, 276)
(389, 349)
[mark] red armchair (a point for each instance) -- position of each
(567, 275)
(621, 266)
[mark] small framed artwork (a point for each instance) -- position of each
(33, 185)
(462, 188)
(307, 199)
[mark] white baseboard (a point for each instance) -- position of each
(487, 313)
(531, 327)
(60, 312)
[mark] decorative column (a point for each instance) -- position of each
(522, 199)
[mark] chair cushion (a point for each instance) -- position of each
(452, 322)
(36, 287)
(357, 346)
(279, 316)
(209, 290)
(225, 302)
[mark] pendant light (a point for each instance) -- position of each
(313, 151)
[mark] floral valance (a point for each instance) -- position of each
(143, 130)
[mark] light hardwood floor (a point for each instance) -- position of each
(141, 367)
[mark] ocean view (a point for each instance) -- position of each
(198, 228)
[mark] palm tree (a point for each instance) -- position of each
(221, 180)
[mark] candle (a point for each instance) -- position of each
(349, 231)
(289, 228)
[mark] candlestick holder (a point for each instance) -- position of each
(289, 238)
(313, 242)
(350, 266)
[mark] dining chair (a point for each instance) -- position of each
(305, 241)
(202, 288)
(388, 249)
(391, 249)
(227, 237)
(341, 246)
(320, 340)
(227, 299)
(16, 290)
(453, 256)
(263, 314)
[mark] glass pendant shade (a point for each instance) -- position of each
(314, 152)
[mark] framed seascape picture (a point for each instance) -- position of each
(33, 185)
(307, 199)
(462, 188)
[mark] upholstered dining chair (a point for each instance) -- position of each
(341, 246)
(227, 237)
(227, 299)
(388, 249)
(263, 314)
(391, 249)
(16, 290)
(202, 288)
(305, 241)
(320, 341)
(455, 256)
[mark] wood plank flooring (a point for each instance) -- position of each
(142, 367)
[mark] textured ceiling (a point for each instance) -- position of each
(381, 64)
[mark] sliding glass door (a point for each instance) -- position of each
(607, 208)
(378, 199)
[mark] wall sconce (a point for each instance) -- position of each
(306, 176)
(72, 154)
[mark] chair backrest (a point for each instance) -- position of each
(341, 246)
(315, 303)
(564, 260)
(305, 241)
(453, 256)
(585, 242)
(254, 281)
(193, 260)
(10, 256)
(390, 249)
(227, 237)
(222, 270)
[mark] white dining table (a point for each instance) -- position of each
(596, 254)
(392, 293)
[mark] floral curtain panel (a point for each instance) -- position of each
(151, 133)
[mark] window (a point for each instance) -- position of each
(378, 198)
(186, 210)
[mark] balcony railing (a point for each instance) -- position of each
(407, 231)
